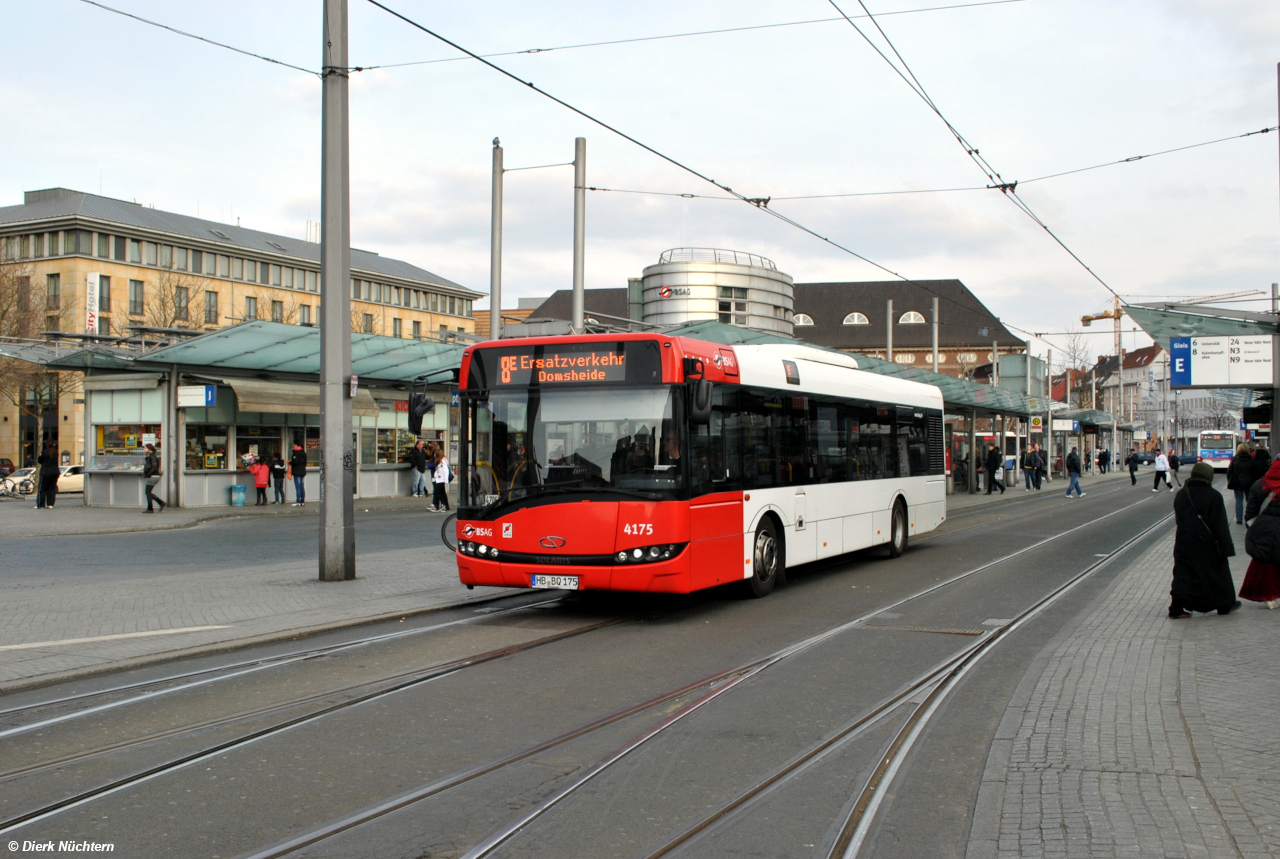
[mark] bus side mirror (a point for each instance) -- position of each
(419, 405)
(700, 402)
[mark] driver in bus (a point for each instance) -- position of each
(670, 446)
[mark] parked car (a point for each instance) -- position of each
(24, 480)
(6, 467)
(1188, 458)
(71, 478)
(1147, 457)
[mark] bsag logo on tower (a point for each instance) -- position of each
(670, 291)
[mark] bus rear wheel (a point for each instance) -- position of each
(898, 531)
(766, 560)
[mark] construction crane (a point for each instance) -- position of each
(1116, 312)
(1113, 314)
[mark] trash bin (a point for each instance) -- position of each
(237, 495)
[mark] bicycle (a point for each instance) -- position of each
(16, 489)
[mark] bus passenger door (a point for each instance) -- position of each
(715, 489)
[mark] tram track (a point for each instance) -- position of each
(716, 686)
(713, 687)
(227, 672)
(935, 683)
(387, 686)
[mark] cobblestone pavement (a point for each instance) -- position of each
(1136, 735)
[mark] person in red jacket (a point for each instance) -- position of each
(261, 479)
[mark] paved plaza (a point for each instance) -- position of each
(1137, 735)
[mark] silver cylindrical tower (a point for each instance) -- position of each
(706, 284)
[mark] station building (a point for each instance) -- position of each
(156, 274)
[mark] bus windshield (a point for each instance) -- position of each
(524, 442)
(1217, 441)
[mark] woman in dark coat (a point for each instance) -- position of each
(1201, 546)
(1262, 581)
(1240, 477)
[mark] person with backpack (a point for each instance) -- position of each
(1201, 546)
(440, 477)
(1262, 540)
(1174, 462)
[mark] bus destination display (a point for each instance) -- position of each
(628, 362)
(594, 366)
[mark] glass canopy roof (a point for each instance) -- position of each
(1161, 325)
(276, 347)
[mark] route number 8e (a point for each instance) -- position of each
(637, 529)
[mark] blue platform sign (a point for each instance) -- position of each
(1180, 361)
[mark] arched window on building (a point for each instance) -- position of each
(802, 319)
(911, 318)
(856, 319)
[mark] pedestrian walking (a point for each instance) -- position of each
(151, 476)
(1201, 546)
(419, 459)
(298, 471)
(993, 469)
(47, 487)
(1088, 462)
(261, 479)
(440, 477)
(1174, 463)
(1043, 468)
(1132, 462)
(1162, 472)
(1073, 474)
(278, 471)
(1262, 541)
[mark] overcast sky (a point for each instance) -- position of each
(101, 103)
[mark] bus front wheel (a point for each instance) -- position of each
(898, 531)
(766, 560)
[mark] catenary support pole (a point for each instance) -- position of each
(973, 451)
(495, 247)
(579, 232)
(1275, 341)
(173, 474)
(935, 334)
(888, 330)
(337, 458)
(995, 363)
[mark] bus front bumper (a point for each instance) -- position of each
(671, 576)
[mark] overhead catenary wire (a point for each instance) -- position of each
(1009, 189)
(686, 35)
(758, 202)
(198, 38)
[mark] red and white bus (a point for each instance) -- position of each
(643, 462)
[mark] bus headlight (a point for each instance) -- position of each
(649, 554)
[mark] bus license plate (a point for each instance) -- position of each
(568, 583)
